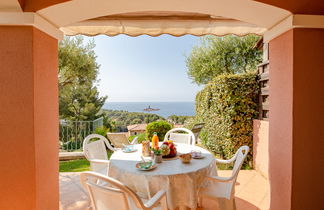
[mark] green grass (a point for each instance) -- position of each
(78, 165)
(74, 165)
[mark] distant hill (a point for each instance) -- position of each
(124, 118)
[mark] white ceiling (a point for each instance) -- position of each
(10, 6)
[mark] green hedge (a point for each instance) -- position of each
(160, 127)
(141, 137)
(228, 106)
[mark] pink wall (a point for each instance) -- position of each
(29, 119)
(281, 120)
(261, 147)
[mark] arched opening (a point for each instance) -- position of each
(245, 203)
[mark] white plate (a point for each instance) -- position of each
(129, 151)
(198, 157)
(145, 169)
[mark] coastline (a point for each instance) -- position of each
(166, 109)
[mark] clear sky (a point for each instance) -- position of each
(144, 68)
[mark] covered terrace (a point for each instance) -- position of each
(291, 138)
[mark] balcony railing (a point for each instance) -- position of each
(72, 133)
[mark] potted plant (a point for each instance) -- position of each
(157, 155)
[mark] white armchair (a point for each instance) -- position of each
(120, 139)
(115, 195)
(96, 153)
(186, 138)
(222, 189)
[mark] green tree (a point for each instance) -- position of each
(109, 123)
(220, 55)
(136, 121)
(118, 120)
(178, 119)
(78, 95)
(160, 127)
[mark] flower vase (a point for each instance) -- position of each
(158, 158)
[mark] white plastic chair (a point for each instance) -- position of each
(120, 139)
(96, 153)
(196, 129)
(117, 196)
(222, 189)
(186, 138)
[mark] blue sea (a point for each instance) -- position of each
(166, 108)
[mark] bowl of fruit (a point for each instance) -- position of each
(168, 149)
(185, 158)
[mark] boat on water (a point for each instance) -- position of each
(149, 109)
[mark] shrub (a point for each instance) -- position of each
(102, 130)
(141, 137)
(160, 127)
(228, 106)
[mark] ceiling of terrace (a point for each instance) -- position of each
(112, 17)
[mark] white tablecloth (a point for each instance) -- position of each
(182, 181)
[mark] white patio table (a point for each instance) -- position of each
(182, 181)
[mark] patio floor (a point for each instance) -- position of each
(251, 191)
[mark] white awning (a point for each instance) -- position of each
(155, 24)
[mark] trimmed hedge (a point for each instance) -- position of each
(160, 127)
(228, 106)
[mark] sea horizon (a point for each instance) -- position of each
(180, 108)
(148, 101)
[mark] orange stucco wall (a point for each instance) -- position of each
(46, 119)
(17, 119)
(308, 116)
(296, 119)
(261, 146)
(298, 6)
(34, 5)
(28, 119)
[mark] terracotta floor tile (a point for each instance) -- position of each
(252, 192)
(265, 203)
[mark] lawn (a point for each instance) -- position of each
(78, 165)
(74, 165)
